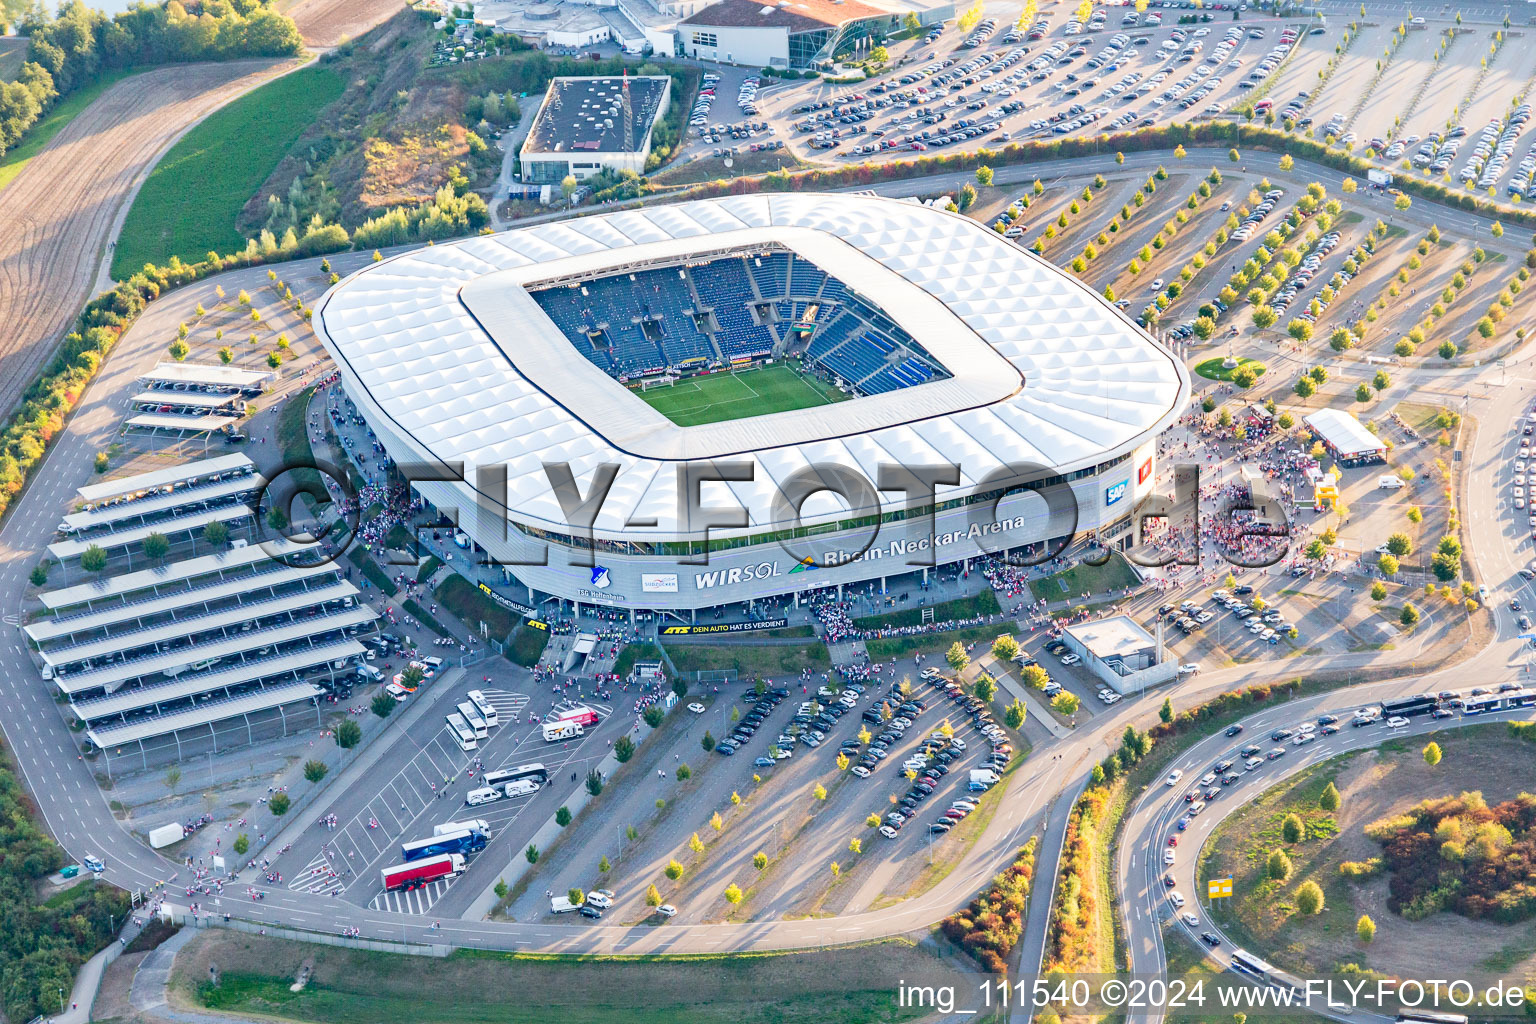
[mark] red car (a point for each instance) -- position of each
(1173, 840)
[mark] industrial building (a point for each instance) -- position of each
(590, 125)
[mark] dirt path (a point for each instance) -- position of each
(57, 215)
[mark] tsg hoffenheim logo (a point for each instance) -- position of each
(600, 580)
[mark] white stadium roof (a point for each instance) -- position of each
(448, 346)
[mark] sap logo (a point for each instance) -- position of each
(600, 580)
(739, 574)
(1116, 492)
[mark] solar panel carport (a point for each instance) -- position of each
(176, 629)
(110, 677)
(66, 549)
(264, 577)
(174, 572)
(160, 503)
(205, 716)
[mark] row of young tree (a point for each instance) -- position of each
(70, 51)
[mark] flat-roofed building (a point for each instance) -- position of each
(590, 125)
(1121, 653)
(785, 34)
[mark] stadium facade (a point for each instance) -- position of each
(825, 354)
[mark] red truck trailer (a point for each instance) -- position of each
(581, 715)
(419, 872)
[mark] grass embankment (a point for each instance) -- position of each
(298, 453)
(42, 133)
(849, 984)
(1093, 580)
(527, 645)
(906, 646)
(984, 603)
(468, 603)
(748, 661)
(190, 202)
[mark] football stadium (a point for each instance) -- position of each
(691, 405)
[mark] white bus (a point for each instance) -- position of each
(535, 771)
(487, 711)
(1251, 965)
(472, 717)
(462, 732)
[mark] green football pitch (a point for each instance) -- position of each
(734, 396)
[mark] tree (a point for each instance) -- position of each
(716, 822)
(1014, 714)
(842, 762)
(957, 657)
(563, 816)
(1309, 898)
(1005, 648)
(695, 843)
(623, 749)
(1279, 866)
(880, 55)
(760, 860)
(1432, 754)
(680, 687)
(1264, 317)
(707, 741)
(1409, 616)
(156, 546)
(594, 782)
(1304, 387)
(653, 715)
(683, 773)
(1365, 928)
(531, 855)
(568, 186)
(1447, 349)
(179, 350)
(1165, 713)
(1204, 327)
(383, 705)
(216, 535)
(1362, 392)
(873, 821)
(1381, 381)
(652, 895)
(1301, 330)
(1399, 544)
(733, 894)
(1378, 591)
(242, 844)
(1292, 829)
(1388, 565)
(39, 574)
(1330, 799)
(985, 688)
(314, 771)
(1402, 202)
(1065, 703)
(967, 197)
(501, 888)
(576, 896)
(279, 804)
(983, 175)
(1034, 676)
(819, 791)
(349, 734)
(93, 558)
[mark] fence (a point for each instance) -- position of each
(711, 676)
(325, 938)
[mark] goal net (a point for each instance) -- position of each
(658, 382)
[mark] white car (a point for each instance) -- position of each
(1189, 669)
(931, 673)
(860, 771)
(667, 910)
(1173, 778)
(696, 708)
(1168, 855)
(599, 901)
(1397, 722)
(1191, 920)
(1176, 898)
(1070, 659)
(888, 832)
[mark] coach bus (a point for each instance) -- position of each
(537, 772)
(1247, 963)
(471, 715)
(1426, 1017)
(462, 732)
(1422, 704)
(465, 841)
(487, 711)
